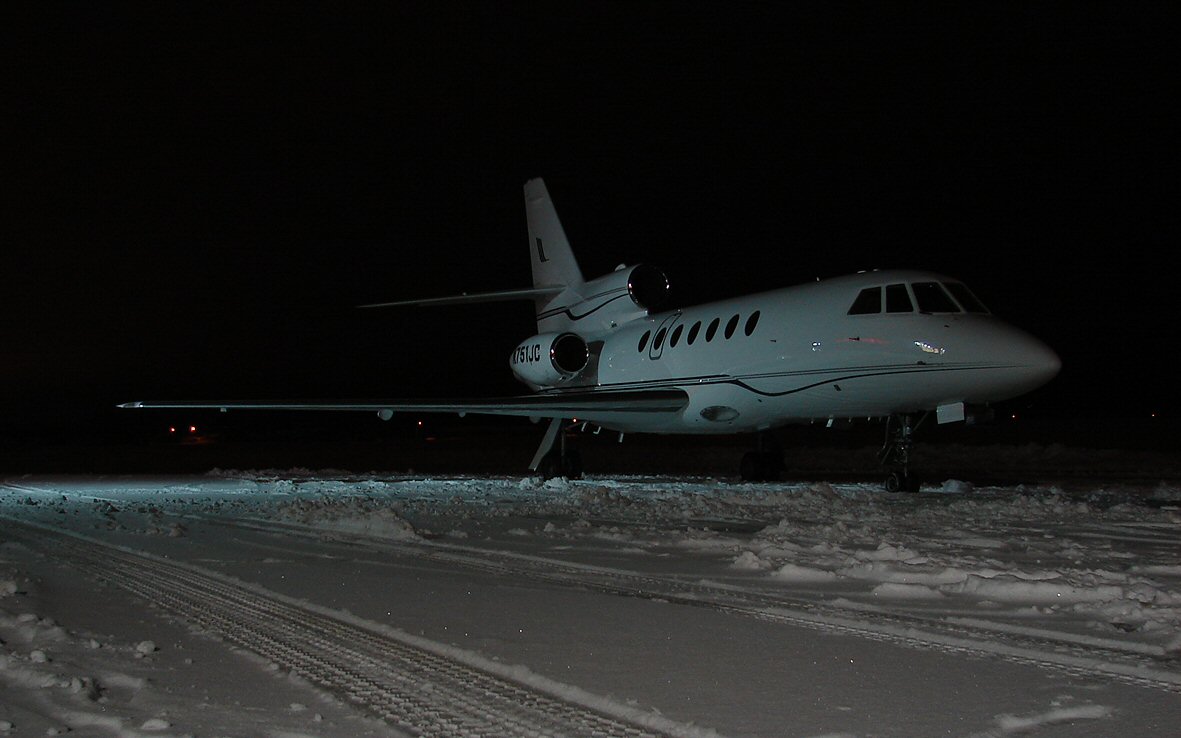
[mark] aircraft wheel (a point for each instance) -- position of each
(554, 465)
(772, 466)
(899, 481)
(550, 466)
(572, 465)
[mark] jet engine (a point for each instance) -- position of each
(606, 302)
(646, 285)
(549, 359)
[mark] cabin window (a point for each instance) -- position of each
(693, 332)
(659, 341)
(932, 298)
(751, 322)
(898, 299)
(644, 341)
(868, 302)
(731, 325)
(965, 298)
(713, 328)
(672, 342)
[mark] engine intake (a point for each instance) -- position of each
(648, 287)
(548, 359)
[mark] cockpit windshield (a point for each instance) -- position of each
(933, 299)
(929, 297)
(965, 298)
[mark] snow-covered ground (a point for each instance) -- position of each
(300, 603)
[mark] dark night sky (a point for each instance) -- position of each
(195, 197)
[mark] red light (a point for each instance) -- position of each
(172, 429)
(192, 429)
(420, 424)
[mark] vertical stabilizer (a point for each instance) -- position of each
(553, 261)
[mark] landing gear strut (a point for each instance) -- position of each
(554, 458)
(765, 463)
(895, 453)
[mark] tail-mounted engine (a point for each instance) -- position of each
(549, 359)
(605, 302)
(646, 285)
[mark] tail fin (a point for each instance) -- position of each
(557, 280)
(553, 261)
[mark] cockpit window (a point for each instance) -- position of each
(898, 299)
(965, 298)
(868, 302)
(932, 298)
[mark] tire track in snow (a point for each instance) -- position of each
(1061, 652)
(418, 686)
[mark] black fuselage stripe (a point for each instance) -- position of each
(741, 381)
(558, 311)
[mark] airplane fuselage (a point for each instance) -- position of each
(797, 355)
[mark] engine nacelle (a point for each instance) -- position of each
(608, 301)
(645, 285)
(549, 359)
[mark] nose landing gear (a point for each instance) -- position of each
(895, 452)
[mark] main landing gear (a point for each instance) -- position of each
(555, 457)
(765, 463)
(895, 453)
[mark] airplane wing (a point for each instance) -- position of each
(601, 405)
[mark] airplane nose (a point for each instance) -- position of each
(1021, 363)
(1039, 363)
(1050, 363)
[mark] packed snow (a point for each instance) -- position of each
(693, 606)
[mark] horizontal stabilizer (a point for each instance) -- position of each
(525, 293)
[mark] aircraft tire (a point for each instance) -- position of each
(550, 466)
(572, 465)
(899, 481)
(554, 465)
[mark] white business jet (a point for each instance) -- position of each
(880, 344)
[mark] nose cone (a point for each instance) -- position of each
(1045, 363)
(1034, 363)
(1011, 361)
